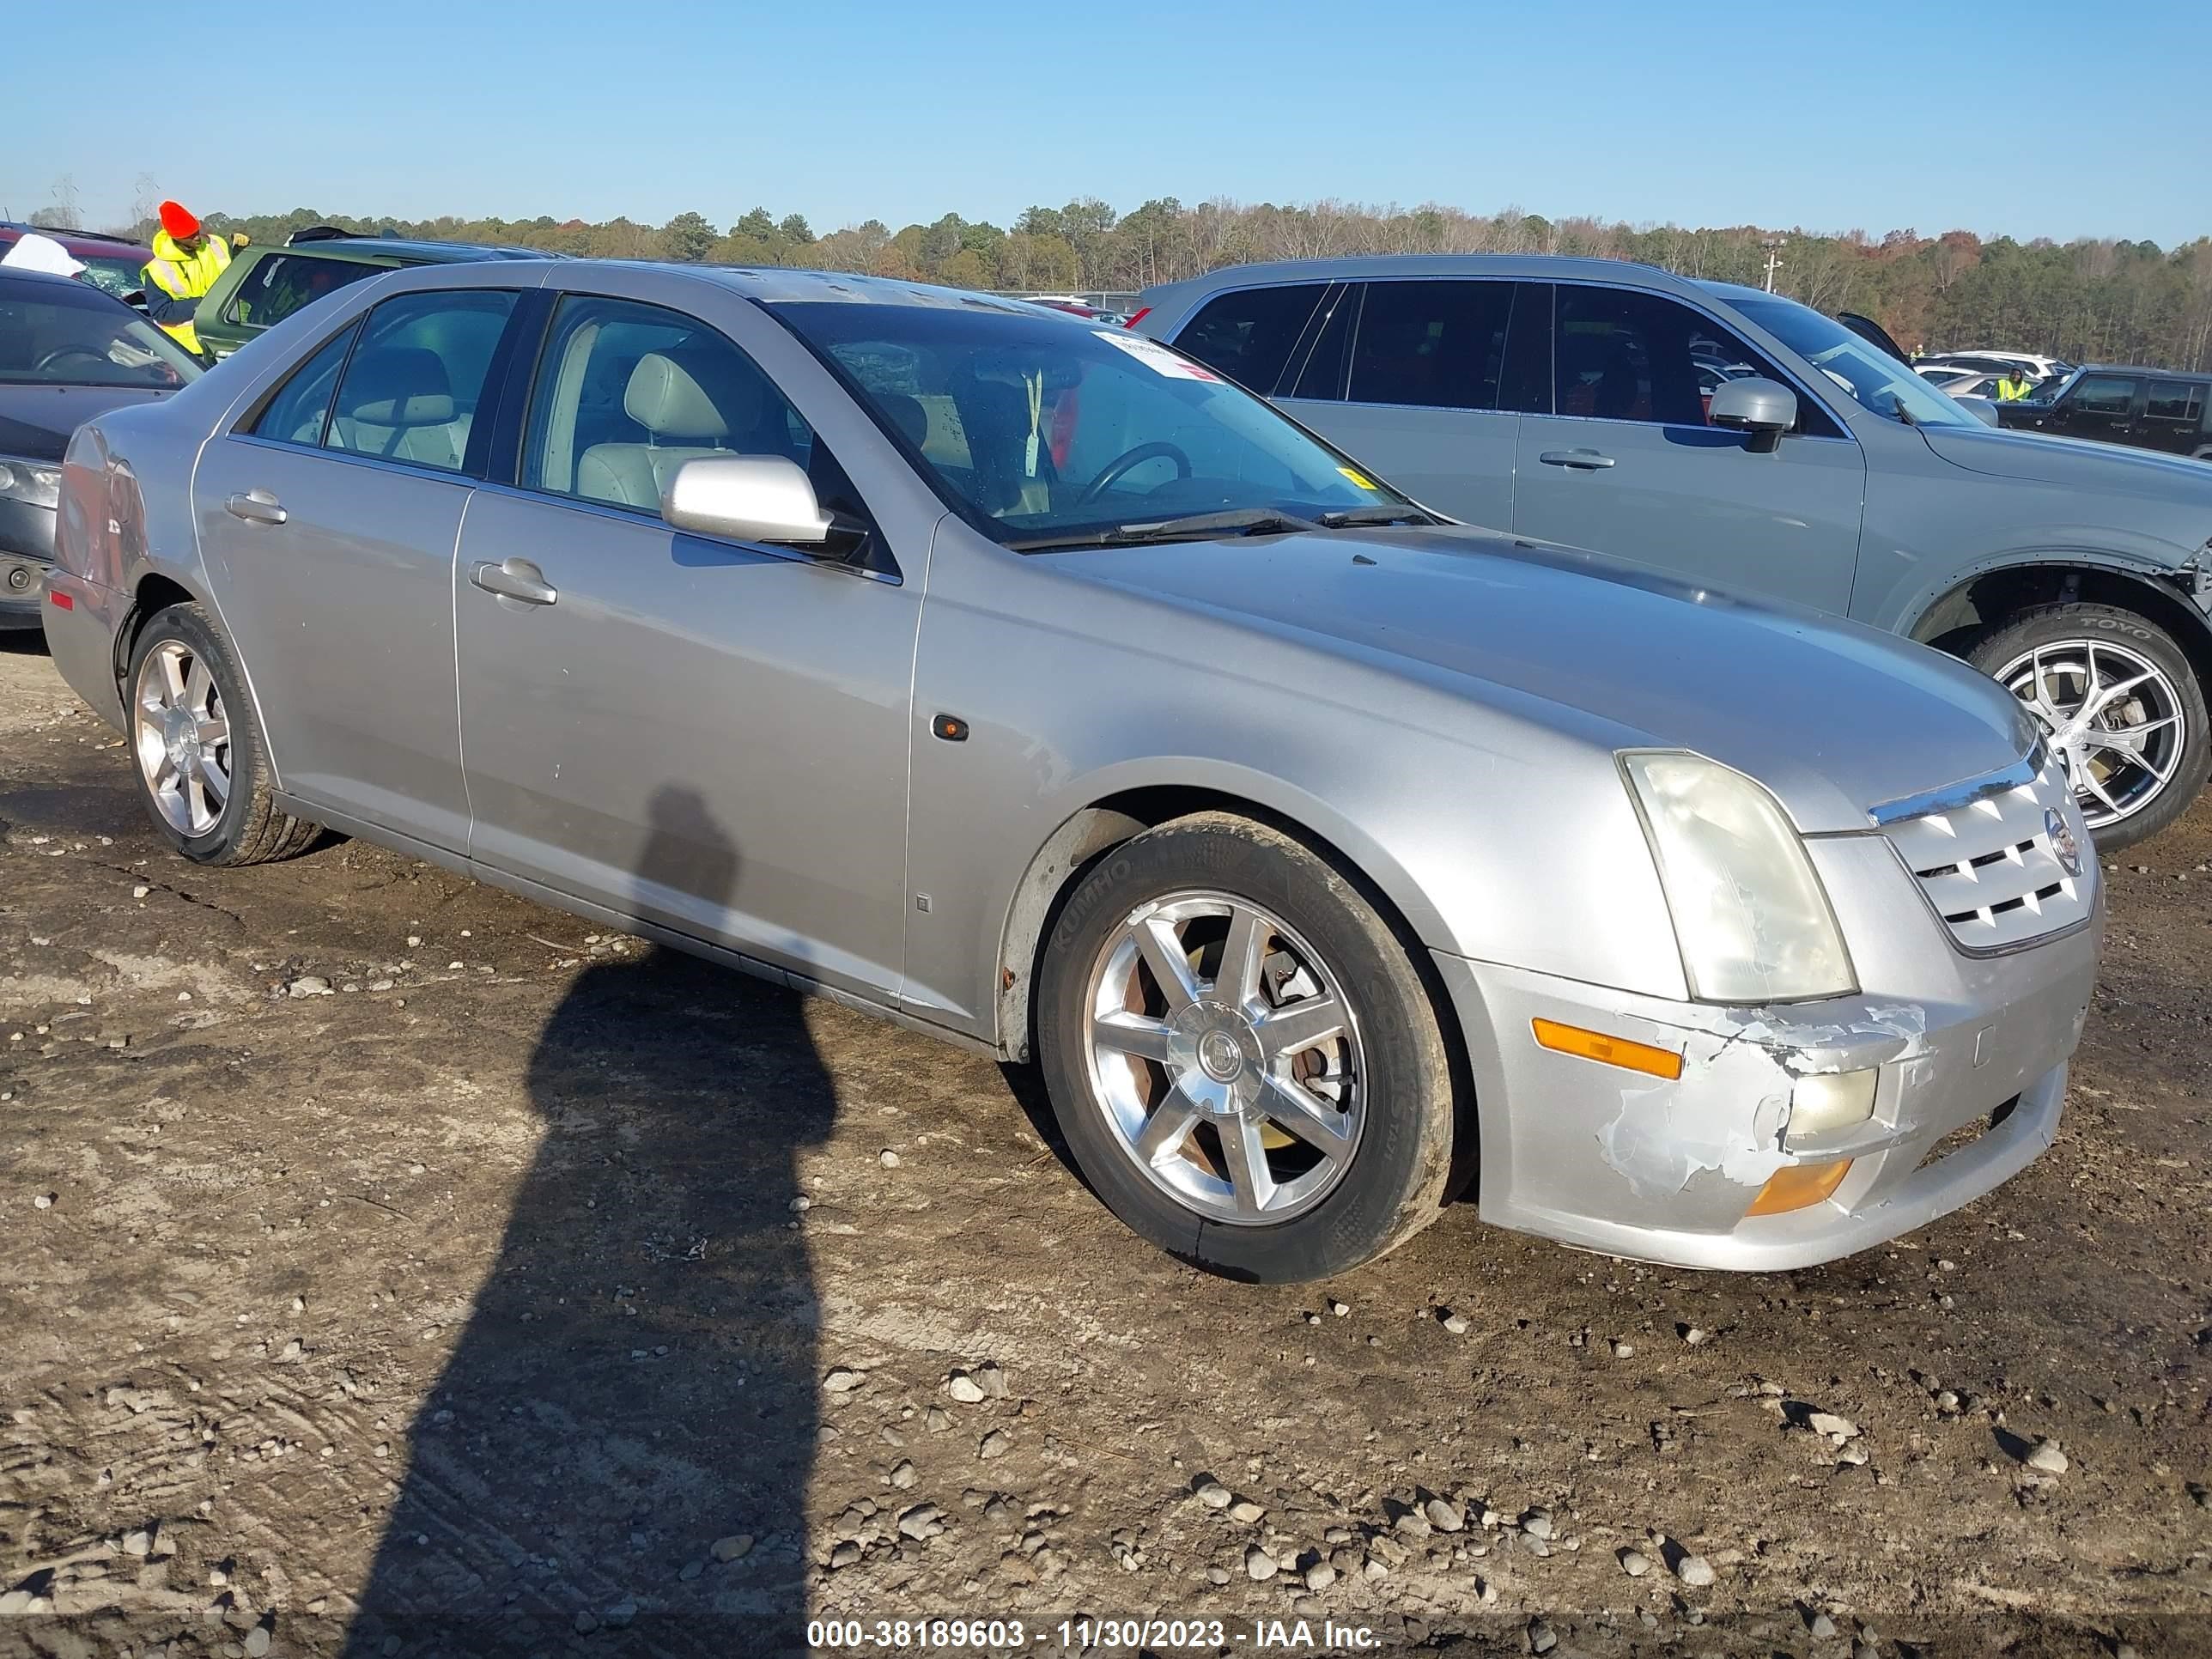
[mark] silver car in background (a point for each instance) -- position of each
(1024, 680)
(1577, 401)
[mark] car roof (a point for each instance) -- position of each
(94, 240)
(1539, 267)
(369, 249)
(2144, 369)
(773, 285)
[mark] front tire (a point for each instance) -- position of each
(2120, 703)
(1241, 1056)
(203, 767)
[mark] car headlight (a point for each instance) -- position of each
(1750, 914)
(30, 481)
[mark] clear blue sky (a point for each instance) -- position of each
(1873, 116)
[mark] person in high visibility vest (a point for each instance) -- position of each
(2014, 384)
(185, 262)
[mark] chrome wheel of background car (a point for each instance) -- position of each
(1226, 1057)
(2111, 715)
(182, 738)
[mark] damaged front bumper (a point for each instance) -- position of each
(1969, 1055)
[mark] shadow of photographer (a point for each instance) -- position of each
(622, 1438)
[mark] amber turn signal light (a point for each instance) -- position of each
(1608, 1050)
(1799, 1187)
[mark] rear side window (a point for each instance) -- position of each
(1432, 345)
(2175, 400)
(1319, 361)
(1248, 334)
(2103, 394)
(280, 283)
(302, 407)
(412, 388)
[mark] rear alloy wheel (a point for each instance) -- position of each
(2119, 705)
(201, 764)
(1243, 1061)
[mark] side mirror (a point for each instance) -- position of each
(1755, 406)
(746, 498)
(1981, 409)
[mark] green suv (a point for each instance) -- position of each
(263, 286)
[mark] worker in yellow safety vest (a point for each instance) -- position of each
(2014, 384)
(185, 262)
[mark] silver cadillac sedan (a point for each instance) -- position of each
(1017, 678)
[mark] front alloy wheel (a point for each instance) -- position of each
(1226, 1057)
(1243, 1055)
(2119, 705)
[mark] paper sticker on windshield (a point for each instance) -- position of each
(1156, 357)
(1364, 481)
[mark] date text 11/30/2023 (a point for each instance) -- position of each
(1082, 1635)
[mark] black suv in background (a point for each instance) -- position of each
(2149, 407)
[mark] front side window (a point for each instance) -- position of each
(1248, 334)
(59, 333)
(302, 407)
(1043, 430)
(412, 388)
(1623, 355)
(281, 284)
(2103, 394)
(626, 393)
(1433, 344)
(1869, 376)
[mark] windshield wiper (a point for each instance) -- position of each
(1230, 521)
(1903, 413)
(1345, 516)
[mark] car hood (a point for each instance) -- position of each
(1834, 718)
(36, 421)
(2072, 462)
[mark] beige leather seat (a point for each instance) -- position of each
(396, 403)
(666, 398)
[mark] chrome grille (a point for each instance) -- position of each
(1983, 852)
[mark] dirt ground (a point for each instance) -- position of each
(390, 1266)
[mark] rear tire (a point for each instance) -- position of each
(2147, 751)
(203, 767)
(1348, 1139)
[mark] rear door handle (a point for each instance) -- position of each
(1587, 460)
(516, 579)
(255, 506)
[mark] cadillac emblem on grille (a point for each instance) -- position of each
(2063, 847)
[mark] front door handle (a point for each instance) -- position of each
(255, 506)
(516, 579)
(1584, 461)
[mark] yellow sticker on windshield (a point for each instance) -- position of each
(1365, 483)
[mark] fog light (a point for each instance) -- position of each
(19, 577)
(1799, 1186)
(1824, 1102)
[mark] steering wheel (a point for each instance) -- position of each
(61, 353)
(1129, 461)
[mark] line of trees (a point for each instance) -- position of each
(2087, 301)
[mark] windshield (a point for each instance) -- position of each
(1877, 380)
(60, 333)
(1040, 429)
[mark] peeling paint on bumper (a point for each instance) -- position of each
(1596, 1156)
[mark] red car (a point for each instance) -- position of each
(110, 263)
